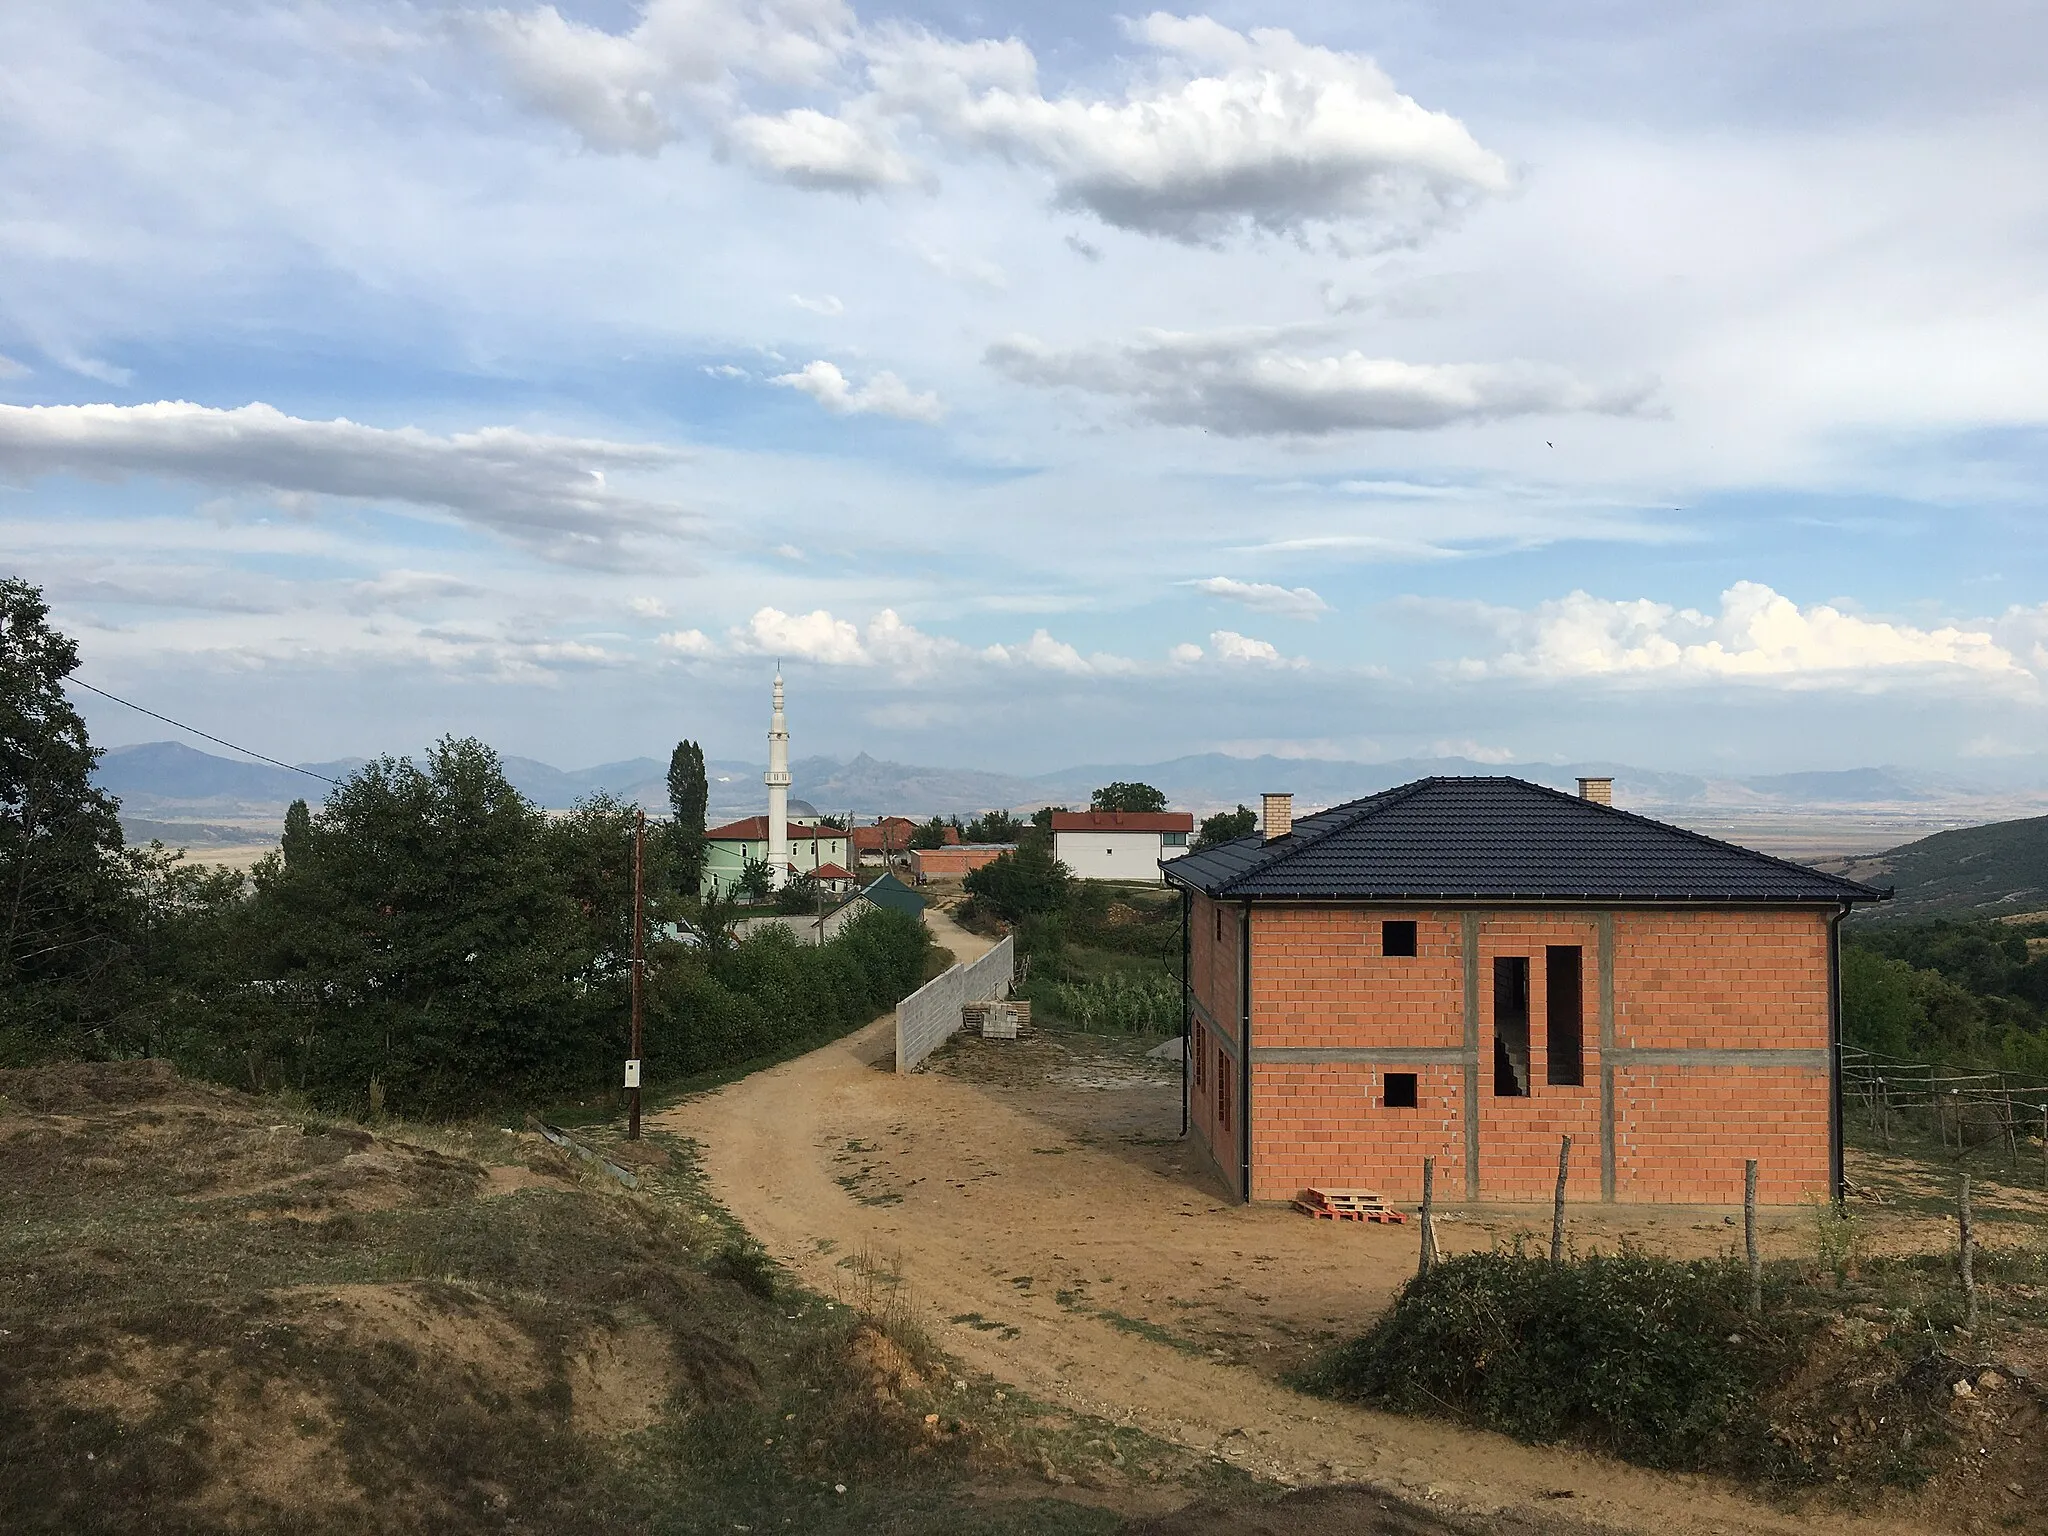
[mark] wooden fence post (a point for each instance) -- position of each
(1969, 1243)
(1428, 1217)
(1564, 1162)
(1756, 1263)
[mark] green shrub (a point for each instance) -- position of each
(1119, 1003)
(1650, 1358)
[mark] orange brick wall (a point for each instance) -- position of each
(1217, 984)
(1683, 980)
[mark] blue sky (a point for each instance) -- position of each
(1041, 385)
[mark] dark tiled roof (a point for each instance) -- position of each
(888, 891)
(1498, 839)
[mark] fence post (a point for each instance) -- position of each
(1428, 1217)
(1969, 1243)
(1564, 1162)
(2044, 1144)
(1756, 1263)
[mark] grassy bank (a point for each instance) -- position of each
(217, 1312)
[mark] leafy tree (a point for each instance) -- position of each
(689, 792)
(425, 936)
(993, 827)
(298, 831)
(930, 834)
(802, 895)
(1226, 825)
(1127, 797)
(1026, 882)
(66, 906)
(755, 880)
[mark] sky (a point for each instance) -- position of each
(1038, 384)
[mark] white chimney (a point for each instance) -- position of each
(1277, 815)
(1599, 791)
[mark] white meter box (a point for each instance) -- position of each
(632, 1074)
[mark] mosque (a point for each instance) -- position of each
(817, 848)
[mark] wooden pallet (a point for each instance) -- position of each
(1346, 1205)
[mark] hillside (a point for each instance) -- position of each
(1990, 870)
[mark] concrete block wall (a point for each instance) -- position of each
(927, 1018)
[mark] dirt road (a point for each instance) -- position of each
(1041, 1210)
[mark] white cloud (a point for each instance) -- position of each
(1466, 747)
(1227, 131)
(726, 371)
(688, 642)
(826, 154)
(408, 591)
(883, 395)
(648, 607)
(684, 62)
(825, 304)
(10, 369)
(1266, 597)
(1232, 647)
(888, 642)
(1757, 635)
(546, 493)
(1240, 383)
(1186, 654)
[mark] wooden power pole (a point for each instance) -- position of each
(639, 972)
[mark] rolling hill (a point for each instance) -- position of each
(1988, 871)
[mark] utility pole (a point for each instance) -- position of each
(639, 973)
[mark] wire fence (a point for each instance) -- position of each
(1966, 1110)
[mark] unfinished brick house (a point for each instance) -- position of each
(1469, 968)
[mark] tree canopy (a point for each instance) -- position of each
(1127, 797)
(1026, 882)
(1226, 825)
(689, 793)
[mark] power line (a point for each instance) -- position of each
(208, 735)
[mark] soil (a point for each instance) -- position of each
(1034, 1201)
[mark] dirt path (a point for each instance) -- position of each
(1054, 1238)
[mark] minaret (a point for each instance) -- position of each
(777, 780)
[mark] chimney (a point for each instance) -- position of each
(1599, 791)
(1277, 815)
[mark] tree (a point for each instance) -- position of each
(298, 831)
(689, 792)
(801, 895)
(424, 933)
(1226, 825)
(930, 834)
(993, 827)
(1127, 797)
(65, 897)
(1027, 882)
(755, 880)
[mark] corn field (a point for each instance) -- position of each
(1121, 1004)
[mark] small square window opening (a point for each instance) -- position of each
(1397, 938)
(1400, 1091)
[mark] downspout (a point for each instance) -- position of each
(1187, 992)
(1244, 1059)
(1837, 1178)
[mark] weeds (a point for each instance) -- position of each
(1120, 1002)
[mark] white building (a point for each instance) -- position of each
(1119, 845)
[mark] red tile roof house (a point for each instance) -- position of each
(1119, 845)
(1470, 968)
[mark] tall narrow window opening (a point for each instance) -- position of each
(1564, 1010)
(1201, 1054)
(1511, 1026)
(1222, 1091)
(1397, 938)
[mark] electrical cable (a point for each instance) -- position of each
(208, 735)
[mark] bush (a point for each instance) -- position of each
(1650, 1358)
(1024, 883)
(1119, 1002)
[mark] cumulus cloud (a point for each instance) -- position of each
(1186, 654)
(1265, 596)
(887, 641)
(1215, 131)
(688, 642)
(883, 395)
(1243, 650)
(684, 62)
(1226, 131)
(809, 149)
(648, 607)
(1757, 635)
(548, 494)
(1242, 383)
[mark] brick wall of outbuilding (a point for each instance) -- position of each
(1700, 983)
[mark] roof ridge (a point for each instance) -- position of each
(1369, 805)
(1698, 837)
